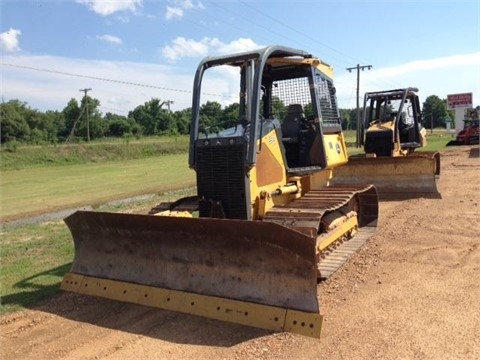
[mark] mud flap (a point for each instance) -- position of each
(251, 261)
(396, 178)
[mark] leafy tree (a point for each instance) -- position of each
(278, 108)
(56, 126)
(210, 116)
(118, 125)
(13, 123)
(45, 127)
(21, 123)
(37, 124)
(308, 110)
(434, 112)
(230, 115)
(153, 118)
(71, 114)
(85, 119)
(182, 121)
(351, 115)
(346, 119)
(96, 126)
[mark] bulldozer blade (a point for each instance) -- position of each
(249, 261)
(396, 178)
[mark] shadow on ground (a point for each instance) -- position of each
(131, 318)
(474, 152)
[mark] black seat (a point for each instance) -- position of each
(291, 124)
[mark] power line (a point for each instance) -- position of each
(110, 80)
(286, 25)
(96, 78)
(254, 23)
(297, 31)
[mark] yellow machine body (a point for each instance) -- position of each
(251, 246)
(391, 135)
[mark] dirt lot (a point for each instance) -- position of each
(412, 292)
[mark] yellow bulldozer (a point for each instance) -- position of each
(265, 225)
(390, 134)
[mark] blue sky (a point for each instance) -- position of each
(51, 49)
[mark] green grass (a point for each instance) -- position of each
(34, 258)
(15, 157)
(34, 190)
(437, 141)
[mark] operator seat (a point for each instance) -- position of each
(291, 124)
(290, 132)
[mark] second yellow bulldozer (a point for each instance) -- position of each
(264, 227)
(390, 134)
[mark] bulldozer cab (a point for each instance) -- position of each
(391, 122)
(281, 90)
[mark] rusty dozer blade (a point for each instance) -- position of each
(396, 178)
(250, 261)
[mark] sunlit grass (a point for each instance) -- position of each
(33, 261)
(34, 258)
(40, 189)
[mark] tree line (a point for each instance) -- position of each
(83, 121)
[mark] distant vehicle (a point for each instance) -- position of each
(469, 135)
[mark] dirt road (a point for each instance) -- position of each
(412, 292)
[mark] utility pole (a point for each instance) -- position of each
(359, 67)
(168, 103)
(86, 106)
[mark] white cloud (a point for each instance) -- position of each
(431, 64)
(188, 4)
(239, 45)
(109, 7)
(182, 47)
(438, 76)
(9, 40)
(177, 11)
(173, 12)
(47, 90)
(52, 89)
(110, 39)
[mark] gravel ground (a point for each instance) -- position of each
(411, 292)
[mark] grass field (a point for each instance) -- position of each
(34, 258)
(17, 156)
(35, 190)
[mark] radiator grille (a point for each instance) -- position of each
(379, 142)
(221, 177)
